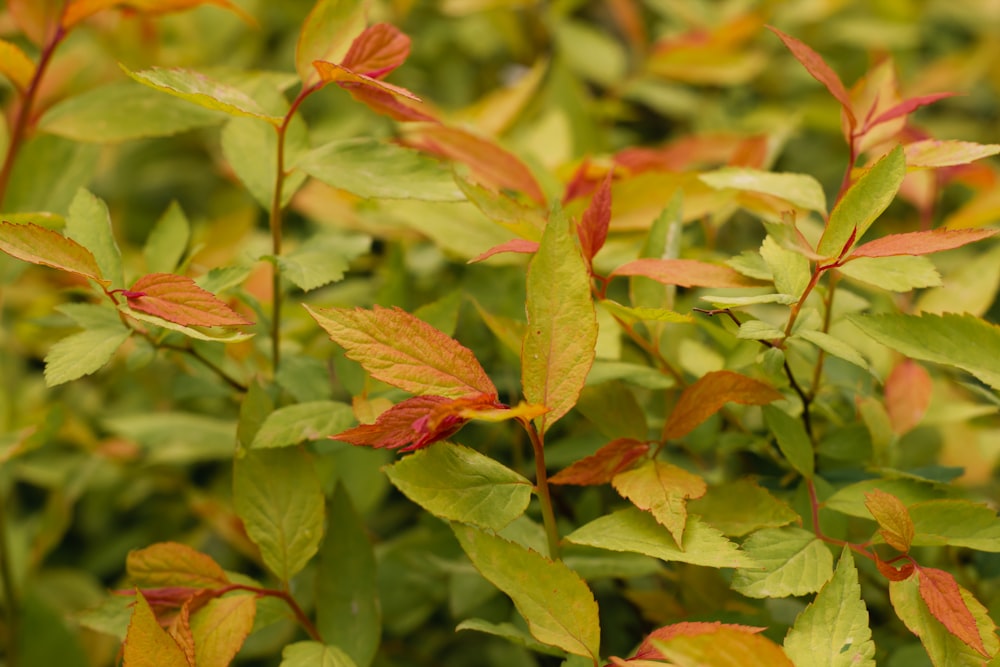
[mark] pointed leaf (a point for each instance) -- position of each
(908, 392)
(720, 645)
(943, 597)
(815, 65)
(279, 498)
(510, 633)
(83, 353)
(327, 34)
(385, 99)
(352, 81)
(220, 628)
(562, 324)
(895, 524)
(792, 438)
(38, 245)
(963, 341)
(934, 153)
(833, 345)
(167, 564)
(522, 246)
(921, 243)
(798, 189)
(593, 227)
(636, 531)
(602, 465)
(684, 272)
(557, 604)
(147, 644)
(906, 107)
(314, 654)
(377, 51)
(460, 484)
(89, 224)
(897, 274)
(178, 299)
(322, 260)
(863, 202)
(708, 394)
(400, 349)
(789, 269)
(833, 630)
(212, 335)
(890, 572)
(793, 561)
(630, 314)
(662, 489)
(16, 65)
(297, 423)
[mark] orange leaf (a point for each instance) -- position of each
(684, 272)
(377, 51)
(491, 165)
(602, 465)
(943, 597)
(817, 67)
(404, 351)
(351, 80)
(647, 651)
(907, 395)
(177, 299)
(170, 564)
(220, 628)
(709, 393)
(147, 644)
(891, 573)
(895, 524)
(514, 245)
(78, 10)
(662, 489)
(920, 243)
(593, 227)
(38, 245)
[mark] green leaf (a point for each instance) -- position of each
(213, 335)
(724, 301)
(557, 604)
(83, 353)
(379, 170)
(509, 632)
(896, 274)
(251, 149)
(789, 269)
(958, 523)
(799, 189)
(123, 111)
(632, 315)
(663, 241)
(175, 437)
(562, 324)
(833, 345)
(741, 507)
(322, 260)
(347, 604)
(460, 484)
(963, 341)
(793, 441)
(633, 530)
(68, 166)
(35, 244)
(89, 224)
(863, 202)
(327, 34)
(314, 654)
(850, 500)
(147, 644)
(167, 241)
(794, 562)
(757, 330)
(279, 498)
(199, 89)
(613, 410)
(833, 630)
(293, 424)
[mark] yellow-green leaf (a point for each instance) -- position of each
(661, 489)
(327, 34)
(32, 243)
(220, 628)
(15, 65)
(167, 564)
(147, 644)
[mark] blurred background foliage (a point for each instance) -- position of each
(141, 452)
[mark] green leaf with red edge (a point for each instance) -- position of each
(404, 351)
(943, 647)
(556, 603)
(327, 34)
(377, 51)
(908, 392)
(220, 628)
(709, 393)
(16, 65)
(602, 465)
(684, 272)
(147, 644)
(35, 244)
(895, 524)
(935, 153)
(718, 645)
(522, 246)
(179, 300)
(817, 67)
(596, 219)
(80, 10)
(906, 107)
(662, 489)
(943, 597)
(559, 344)
(172, 564)
(921, 243)
(862, 203)
(489, 163)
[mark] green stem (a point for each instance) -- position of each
(827, 320)
(542, 487)
(11, 603)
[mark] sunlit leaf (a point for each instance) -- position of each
(895, 524)
(684, 272)
(89, 224)
(740, 507)
(296, 423)
(718, 645)
(167, 240)
(662, 489)
(327, 34)
(83, 353)
(942, 153)
(956, 522)
(377, 51)
(793, 562)
(38, 245)
(351, 80)
(833, 345)
(593, 226)
(799, 189)
(790, 270)
(817, 67)
(630, 314)
(314, 654)
(897, 274)
(709, 393)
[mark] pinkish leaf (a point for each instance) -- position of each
(403, 109)
(907, 394)
(943, 597)
(514, 245)
(602, 465)
(907, 107)
(920, 243)
(377, 51)
(38, 245)
(815, 65)
(177, 299)
(593, 227)
(684, 272)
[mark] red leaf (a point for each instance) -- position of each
(491, 165)
(891, 573)
(602, 465)
(404, 351)
(580, 184)
(921, 243)
(647, 651)
(907, 395)
(907, 107)
(177, 299)
(593, 227)
(404, 109)
(895, 524)
(514, 245)
(815, 65)
(709, 393)
(684, 272)
(377, 51)
(943, 597)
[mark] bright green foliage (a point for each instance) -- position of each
(293, 424)
(793, 562)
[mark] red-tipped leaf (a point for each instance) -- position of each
(895, 524)
(179, 300)
(523, 246)
(377, 51)
(817, 67)
(907, 107)
(593, 227)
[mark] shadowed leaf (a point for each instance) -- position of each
(907, 394)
